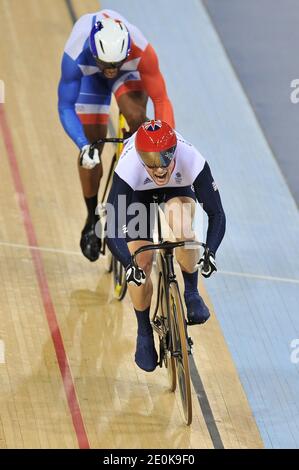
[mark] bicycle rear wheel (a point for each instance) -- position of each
(108, 260)
(119, 279)
(180, 350)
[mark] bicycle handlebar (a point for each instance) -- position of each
(113, 140)
(164, 246)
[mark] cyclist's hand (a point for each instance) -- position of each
(89, 157)
(207, 263)
(134, 275)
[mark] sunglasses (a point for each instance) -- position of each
(162, 159)
(109, 65)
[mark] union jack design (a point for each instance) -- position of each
(152, 125)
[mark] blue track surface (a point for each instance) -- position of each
(260, 38)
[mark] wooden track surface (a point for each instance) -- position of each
(121, 406)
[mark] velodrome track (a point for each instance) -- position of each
(68, 378)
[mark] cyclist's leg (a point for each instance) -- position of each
(141, 296)
(133, 107)
(179, 212)
(140, 221)
(131, 99)
(146, 355)
(93, 111)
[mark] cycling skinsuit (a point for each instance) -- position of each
(191, 177)
(85, 93)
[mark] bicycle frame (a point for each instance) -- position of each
(167, 247)
(111, 263)
(168, 319)
(166, 270)
(113, 140)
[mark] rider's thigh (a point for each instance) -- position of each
(179, 213)
(94, 132)
(133, 106)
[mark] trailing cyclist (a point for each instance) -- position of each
(105, 54)
(158, 161)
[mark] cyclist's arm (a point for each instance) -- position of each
(208, 194)
(154, 85)
(68, 92)
(116, 219)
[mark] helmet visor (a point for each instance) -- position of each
(160, 159)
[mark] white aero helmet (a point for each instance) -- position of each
(109, 41)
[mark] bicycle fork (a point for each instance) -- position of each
(161, 323)
(172, 278)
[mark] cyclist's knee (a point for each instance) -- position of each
(184, 232)
(94, 132)
(135, 117)
(145, 262)
(179, 213)
(133, 107)
(187, 258)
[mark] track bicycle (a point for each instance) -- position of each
(168, 320)
(111, 263)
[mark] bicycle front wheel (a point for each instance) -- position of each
(169, 361)
(119, 278)
(180, 350)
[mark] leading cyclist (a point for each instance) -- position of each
(105, 54)
(157, 160)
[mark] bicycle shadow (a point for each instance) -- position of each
(131, 405)
(126, 407)
(149, 419)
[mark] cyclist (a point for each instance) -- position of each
(157, 160)
(105, 54)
